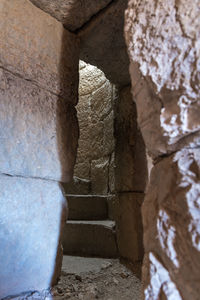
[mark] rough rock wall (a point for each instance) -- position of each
(163, 45)
(96, 143)
(39, 131)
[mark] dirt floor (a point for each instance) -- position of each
(109, 280)
(91, 279)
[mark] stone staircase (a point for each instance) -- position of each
(88, 231)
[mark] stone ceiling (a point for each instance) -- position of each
(99, 24)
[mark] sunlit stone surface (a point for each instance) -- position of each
(163, 45)
(160, 284)
(171, 219)
(164, 48)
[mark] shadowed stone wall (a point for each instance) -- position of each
(130, 177)
(163, 44)
(39, 132)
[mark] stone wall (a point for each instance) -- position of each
(96, 142)
(130, 176)
(39, 132)
(163, 44)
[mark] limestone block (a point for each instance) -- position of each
(39, 131)
(171, 218)
(165, 50)
(35, 46)
(101, 101)
(99, 175)
(33, 212)
(130, 155)
(95, 118)
(129, 226)
(73, 14)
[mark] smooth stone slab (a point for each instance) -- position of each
(36, 46)
(32, 212)
(38, 131)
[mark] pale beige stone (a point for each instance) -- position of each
(101, 101)
(95, 113)
(91, 78)
(171, 213)
(163, 44)
(161, 50)
(38, 48)
(39, 131)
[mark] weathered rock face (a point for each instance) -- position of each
(172, 213)
(163, 43)
(33, 212)
(96, 143)
(39, 132)
(73, 14)
(166, 51)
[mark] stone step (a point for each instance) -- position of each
(87, 207)
(90, 238)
